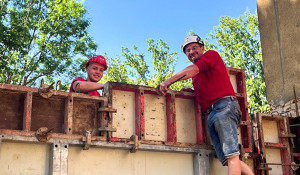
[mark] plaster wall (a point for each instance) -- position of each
(122, 162)
(279, 25)
(24, 158)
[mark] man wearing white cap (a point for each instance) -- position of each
(214, 92)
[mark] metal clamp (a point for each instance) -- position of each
(43, 134)
(87, 140)
(136, 143)
(46, 91)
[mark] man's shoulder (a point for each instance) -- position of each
(211, 52)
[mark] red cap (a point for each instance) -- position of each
(98, 59)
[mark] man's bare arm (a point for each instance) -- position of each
(186, 73)
(84, 86)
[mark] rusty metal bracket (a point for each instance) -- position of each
(136, 143)
(107, 129)
(106, 121)
(87, 140)
(46, 91)
(107, 109)
(43, 134)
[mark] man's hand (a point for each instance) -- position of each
(163, 88)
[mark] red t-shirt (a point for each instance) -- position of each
(212, 82)
(82, 79)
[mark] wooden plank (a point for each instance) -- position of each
(126, 119)
(27, 112)
(186, 127)
(138, 112)
(170, 112)
(68, 117)
(155, 118)
(199, 124)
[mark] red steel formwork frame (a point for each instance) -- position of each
(140, 91)
(68, 124)
(284, 145)
(241, 95)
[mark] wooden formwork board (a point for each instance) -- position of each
(185, 120)
(270, 131)
(11, 108)
(155, 117)
(47, 113)
(233, 82)
(124, 118)
(84, 116)
(274, 156)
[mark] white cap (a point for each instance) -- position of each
(191, 39)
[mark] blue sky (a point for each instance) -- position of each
(117, 23)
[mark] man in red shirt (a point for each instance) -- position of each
(214, 92)
(94, 67)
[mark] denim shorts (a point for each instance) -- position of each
(222, 123)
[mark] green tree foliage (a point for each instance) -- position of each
(42, 39)
(237, 40)
(134, 69)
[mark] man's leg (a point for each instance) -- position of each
(246, 169)
(236, 166)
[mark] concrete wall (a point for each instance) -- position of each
(24, 158)
(279, 25)
(122, 162)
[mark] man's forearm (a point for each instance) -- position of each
(186, 73)
(81, 86)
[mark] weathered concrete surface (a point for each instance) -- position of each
(24, 158)
(279, 25)
(122, 162)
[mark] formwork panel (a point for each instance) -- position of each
(47, 113)
(24, 158)
(273, 156)
(185, 120)
(155, 118)
(84, 116)
(270, 131)
(11, 110)
(124, 119)
(233, 82)
(121, 162)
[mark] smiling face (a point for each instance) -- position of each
(95, 72)
(194, 51)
